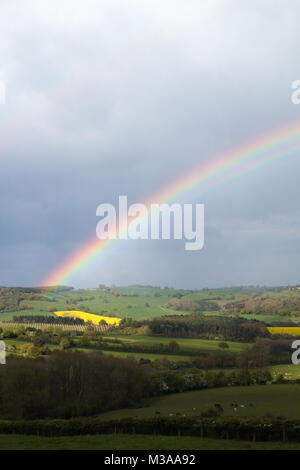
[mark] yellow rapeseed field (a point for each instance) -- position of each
(95, 319)
(284, 330)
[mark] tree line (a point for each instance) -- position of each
(70, 384)
(48, 319)
(192, 326)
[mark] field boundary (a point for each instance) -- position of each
(248, 429)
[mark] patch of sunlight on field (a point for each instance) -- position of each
(288, 371)
(95, 319)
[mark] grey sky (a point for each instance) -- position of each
(113, 97)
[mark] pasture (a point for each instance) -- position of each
(288, 371)
(274, 400)
(187, 346)
(134, 442)
(184, 343)
(121, 302)
(14, 346)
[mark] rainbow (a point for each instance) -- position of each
(268, 148)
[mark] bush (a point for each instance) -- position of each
(260, 429)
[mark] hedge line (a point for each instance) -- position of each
(260, 429)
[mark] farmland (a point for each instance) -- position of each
(272, 400)
(134, 442)
(284, 330)
(184, 343)
(189, 346)
(178, 352)
(138, 306)
(147, 302)
(88, 317)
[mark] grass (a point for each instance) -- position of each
(269, 318)
(277, 400)
(151, 357)
(123, 306)
(289, 371)
(18, 344)
(134, 442)
(188, 345)
(185, 343)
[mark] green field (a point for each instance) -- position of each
(188, 346)
(151, 357)
(134, 442)
(275, 400)
(124, 306)
(184, 343)
(268, 318)
(289, 371)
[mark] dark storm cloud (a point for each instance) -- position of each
(110, 97)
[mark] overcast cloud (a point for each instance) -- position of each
(120, 97)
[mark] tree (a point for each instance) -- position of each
(223, 345)
(65, 343)
(29, 350)
(85, 340)
(173, 346)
